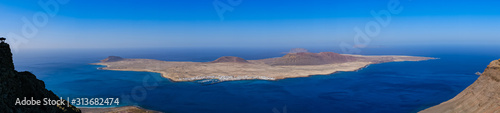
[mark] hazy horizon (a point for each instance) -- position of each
(258, 24)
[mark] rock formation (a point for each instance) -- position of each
(483, 96)
(14, 85)
(230, 59)
(6, 63)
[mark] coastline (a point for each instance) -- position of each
(136, 70)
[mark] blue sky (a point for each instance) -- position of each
(251, 23)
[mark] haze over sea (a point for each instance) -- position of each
(397, 87)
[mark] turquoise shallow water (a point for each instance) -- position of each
(397, 87)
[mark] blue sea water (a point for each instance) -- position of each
(396, 87)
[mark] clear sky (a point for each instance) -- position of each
(251, 23)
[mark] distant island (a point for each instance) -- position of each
(297, 63)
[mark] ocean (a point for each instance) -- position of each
(396, 87)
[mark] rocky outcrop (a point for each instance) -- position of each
(483, 96)
(6, 63)
(18, 85)
(230, 59)
(113, 59)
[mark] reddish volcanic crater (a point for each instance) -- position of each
(306, 58)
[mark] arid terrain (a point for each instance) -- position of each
(227, 68)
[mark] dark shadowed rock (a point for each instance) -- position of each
(6, 63)
(230, 59)
(14, 85)
(112, 59)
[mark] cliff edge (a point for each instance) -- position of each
(483, 96)
(18, 85)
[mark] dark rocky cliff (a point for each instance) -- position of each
(483, 96)
(5, 58)
(14, 85)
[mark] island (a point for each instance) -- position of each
(297, 63)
